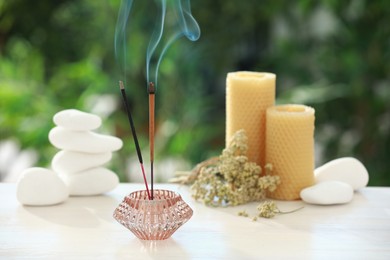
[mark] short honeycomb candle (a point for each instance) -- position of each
(248, 95)
(290, 148)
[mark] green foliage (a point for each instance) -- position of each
(332, 55)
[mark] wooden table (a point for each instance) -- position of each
(83, 227)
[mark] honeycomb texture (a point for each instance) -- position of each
(248, 95)
(290, 148)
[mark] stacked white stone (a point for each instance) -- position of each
(80, 163)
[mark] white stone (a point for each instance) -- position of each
(94, 181)
(83, 141)
(328, 193)
(40, 187)
(347, 169)
(67, 162)
(74, 119)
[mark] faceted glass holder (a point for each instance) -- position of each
(155, 219)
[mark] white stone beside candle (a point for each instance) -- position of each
(336, 182)
(347, 169)
(328, 193)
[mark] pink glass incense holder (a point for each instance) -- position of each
(155, 219)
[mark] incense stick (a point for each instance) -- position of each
(134, 136)
(151, 91)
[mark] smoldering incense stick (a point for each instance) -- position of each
(151, 91)
(122, 87)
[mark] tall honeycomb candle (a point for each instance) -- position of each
(248, 95)
(290, 148)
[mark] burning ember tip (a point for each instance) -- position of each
(121, 84)
(151, 88)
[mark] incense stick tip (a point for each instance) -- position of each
(151, 88)
(121, 85)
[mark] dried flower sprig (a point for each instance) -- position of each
(268, 209)
(231, 179)
(243, 213)
(189, 177)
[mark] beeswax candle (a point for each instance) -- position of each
(290, 148)
(248, 95)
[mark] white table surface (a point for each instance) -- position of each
(83, 228)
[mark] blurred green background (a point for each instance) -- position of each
(332, 55)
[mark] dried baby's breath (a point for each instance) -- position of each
(243, 213)
(268, 209)
(231, 179)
